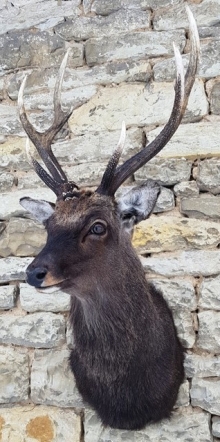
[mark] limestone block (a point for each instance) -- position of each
(183, 426)
(209, 334)
(183, 395)
(39, 423)
(170, 233)
(40, 330)
(216, 426)
(135, 104)
(135, 45)
(37, 13)
(213, 90)
(179, 293)
(22, 237)
(203, 206)
(192, 141)
(69, 336)
(186, 189)
(33, 301)
(209, 295)
(84, 28)
(166, 172)
(184, 323)
(52, 382)
(208, 177)
(9, 202)
(13, 154)
(194, 263)
(14, 375)
(7, 296)
(89, 174)
(13, 269)
(165, 201)
(105, 7)
(6, 181)
(200, 366)
(205, 394)
(9, 121)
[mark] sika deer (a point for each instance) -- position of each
(127, 360)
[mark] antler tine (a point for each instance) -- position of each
(180, 102)
(42, 141)
(112, 164)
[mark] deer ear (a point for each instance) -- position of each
(40, 209)
(138, 203)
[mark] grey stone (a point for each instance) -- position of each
(69, 336)
(12, 154)
(214, 95)
(165, 201)
(33, 301)
(208, 177)
(13, 269)
(209, 334)
(201, 366)
(195, 263)
(9, 202)
(205, 394)
(186, 189)
(22, 237)
(105, 7)
(52, 382)
(216, 426)
(179, 293)
(7, 180)
(166, 172)
(9, 122)
(40, 330)
(87, 174)
(14, 375)
(184, 323)
(183, 395)
(135, 45)
(185, 425)
(7, 296)
(136, 104)
(84, 28)
(209, 295)
(204, 206)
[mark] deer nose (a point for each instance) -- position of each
(36, 276)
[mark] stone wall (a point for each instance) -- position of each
(121, 67)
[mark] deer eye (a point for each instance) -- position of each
(98, 229)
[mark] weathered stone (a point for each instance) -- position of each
(213, 90)
(52, 382)
(135, 45)
(195, 263)
(216, 426)
(14, 376)
(9, 122)
(40, 330)
(39, 423)
(184, 323)
(165, 201)
(204, 206)
(13, 269)
(186, 189)
(197, 140)
(13, 155)
(6, 181)
(136, 104)
(183, 426)
(169, 233)
(9, 202)
(166, 172)
(69, 336)
(205, 394)
(208, 177)
(7, 296)
(105, 7)
(33, 301)
(86, 174)
(183, 395)
(37, 13)
(201, 366)
(209, 334)
(84, 28)
(206, 14)
(179, 293)
(22, 237)
(209, 295)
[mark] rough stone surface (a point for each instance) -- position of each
(184, 323)
(205, 394)
(39, 423)
(7, 296)
(9, 202)
(186, 189)
(183, 395)
(209, 295)
(208, 335)
(204, 206)
(167, 233)
(208, 177)
(166, 172)
(38, 330)
(165, 201)
(213, 89)
(33, 301)
(14, 376)
(179, 293)
(201, 366)
(216, 426)
(22, 237)
(13, 269)
(52, 382)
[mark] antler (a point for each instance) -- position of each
(110, 183)
(42, 141)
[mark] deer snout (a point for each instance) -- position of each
(36, 276)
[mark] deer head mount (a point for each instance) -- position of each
(127, 360)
